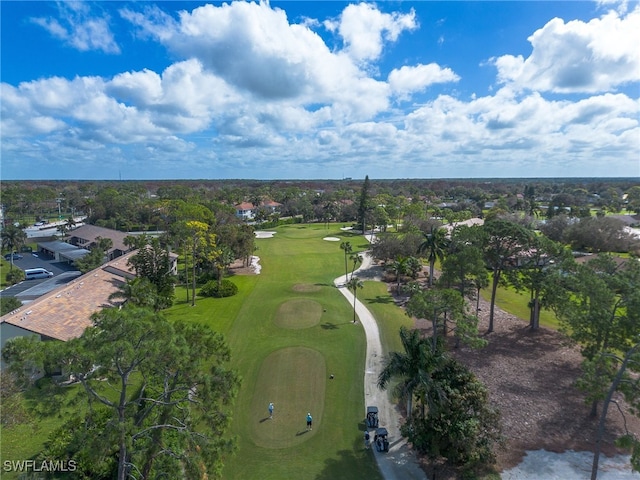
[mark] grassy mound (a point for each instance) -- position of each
(298, 313)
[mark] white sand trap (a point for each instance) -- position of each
(264, 234)
(331, 239)
(344, 229)
(255, 265)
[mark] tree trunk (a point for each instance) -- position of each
(431, 269)
(494, 290)
(535, 313)
(346, 268)
(434, 338)
(193, 283)
(186, 273)
(354, 306)
(605, 407)
(122, 437)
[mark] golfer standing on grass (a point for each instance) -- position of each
(309, 422)
(271, 410)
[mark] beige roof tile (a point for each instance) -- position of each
(65, 312)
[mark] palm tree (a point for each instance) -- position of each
(70, 223)
(435, 244)
(414, 368)
(356, 258)
(346, 246)
(136, 242)
(354, 284)
(67, 226)
(13, 238)
(62, 228)
(139, 292)
(399, 267)
(103, 245)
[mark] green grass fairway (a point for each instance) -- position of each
(516, 303)
(388, 315)
(289, 328)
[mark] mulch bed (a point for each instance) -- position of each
(531, 378)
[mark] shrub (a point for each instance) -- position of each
(14, 276)
(8, 304)
(226, 289)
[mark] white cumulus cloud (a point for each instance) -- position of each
(410, 79)
(364, 29)
(577, 56)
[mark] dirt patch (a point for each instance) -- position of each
(305, 288)
(240, 268)
(531, 379)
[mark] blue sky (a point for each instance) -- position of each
(319, 90)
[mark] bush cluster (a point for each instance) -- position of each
(15, 276)
(226, 289)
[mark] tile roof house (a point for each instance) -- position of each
(64, 313)
(86, 236)
(247, 210)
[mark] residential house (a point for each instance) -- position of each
(247, 210)
(65, 312)
(87, 237)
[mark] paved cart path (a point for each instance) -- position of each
(400, 462)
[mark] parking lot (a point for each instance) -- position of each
(62, 273)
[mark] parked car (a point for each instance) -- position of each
(33, 273)
(16, 256)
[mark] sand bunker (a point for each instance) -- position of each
(255, 265)
(331, 239)
(264, 234)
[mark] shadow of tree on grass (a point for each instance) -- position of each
(329, 326)
(350, 464)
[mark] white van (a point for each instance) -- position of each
(31, 273)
